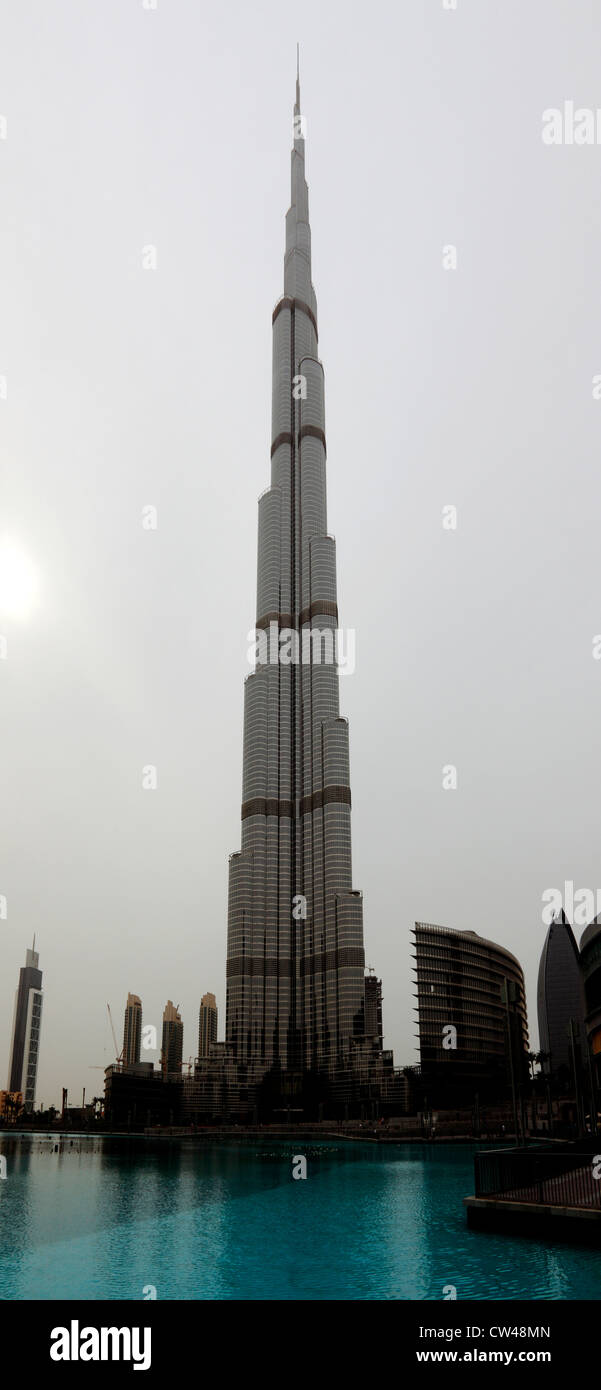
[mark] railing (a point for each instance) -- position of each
(555, 1178)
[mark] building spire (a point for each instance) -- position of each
(297, 103)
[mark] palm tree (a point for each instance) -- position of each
(544, 1061)
(532, 1058)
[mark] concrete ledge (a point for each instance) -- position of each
(580, 1225)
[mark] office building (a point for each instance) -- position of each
(471, 1007)
(560, 996)
(137, 1097)
(590, 964)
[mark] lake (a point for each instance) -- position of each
(96, 1218)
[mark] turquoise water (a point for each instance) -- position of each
(96, 1220)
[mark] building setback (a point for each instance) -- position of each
(471, 1007)
(560, 995)
(295, 957)
(132, 1030)
(207, 1024)
(27, 1018)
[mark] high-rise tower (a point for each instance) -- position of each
(295, 957)
(560, 994)
(132, 1030)
(590, 964)
(173, 1040)
(207, 1024)
(23, 1065)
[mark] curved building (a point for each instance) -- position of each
(471, 1006)
(559, 996)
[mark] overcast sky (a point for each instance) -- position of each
(128, 387)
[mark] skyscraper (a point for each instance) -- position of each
(590, 964)
(132, 1031)
(23, 1065)
(173, 1039)
(295, 956)
(207, 1024)
(373, 1007)
(560, 995)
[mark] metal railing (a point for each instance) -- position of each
(554, 1178)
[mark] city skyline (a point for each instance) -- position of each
(559, 997)
(473, 647)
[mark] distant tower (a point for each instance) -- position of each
(373, 1008)
(173, 1039)
(132, 1030)
(207, 1024)
(560, 995)
(23, 1065)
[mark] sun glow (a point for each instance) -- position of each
(18, 581)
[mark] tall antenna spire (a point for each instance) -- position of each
(298, 78)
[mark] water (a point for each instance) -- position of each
(100, 1220)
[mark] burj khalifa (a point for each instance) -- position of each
(295, 953)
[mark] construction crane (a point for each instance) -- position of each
(118, 1054)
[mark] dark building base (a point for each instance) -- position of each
(291, 1097)
(230, 1093)
(134, 1101)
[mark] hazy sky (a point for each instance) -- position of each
(128, 387)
